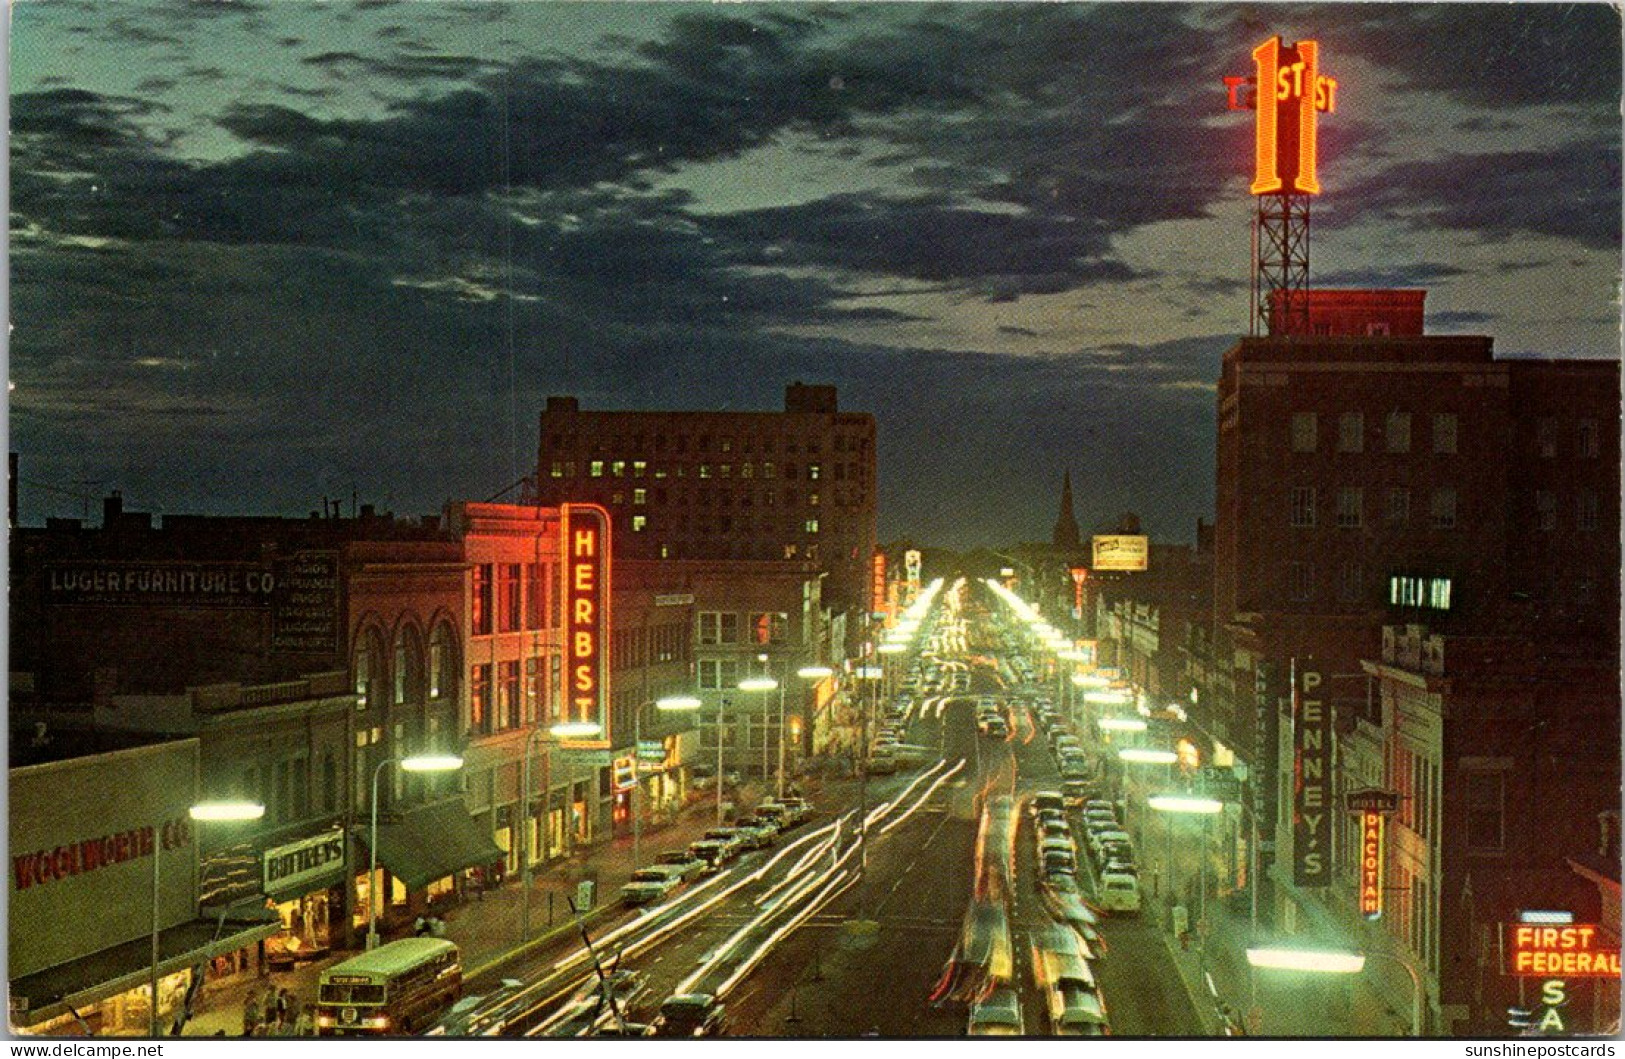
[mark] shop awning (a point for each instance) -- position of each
(80, 983)
(430, 842)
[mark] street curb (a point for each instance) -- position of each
(1208, 1019)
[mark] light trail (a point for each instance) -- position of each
(926, 796)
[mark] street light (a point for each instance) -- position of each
(202, 812)
(765, 682)
(419, 763)
(1121, 724)
(1141, 756)
(1173, 804)
(1334, 962)
(566, 730)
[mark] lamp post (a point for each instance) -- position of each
(570, 730)
(1335, 962)
(420, 763)
(671, 704)
(201, 812)
(764, 682)
(1181, 805)
(721, 708)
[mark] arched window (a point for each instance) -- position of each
(408, 667)
(369, 669)
(443, 663)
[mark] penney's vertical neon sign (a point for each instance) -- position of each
(584, 547)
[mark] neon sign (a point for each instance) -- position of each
(1371, 863)
(877, 586)
(1572, 952)
(584, 540)
(1293, 91)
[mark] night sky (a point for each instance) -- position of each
(267, 252)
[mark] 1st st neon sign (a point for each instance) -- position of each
(1293, 91)
(584, 546)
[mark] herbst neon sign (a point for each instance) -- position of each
(584, 545)
(1293, 91)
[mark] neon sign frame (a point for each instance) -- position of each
(584, 565)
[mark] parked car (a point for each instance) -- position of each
(758, 832)
(998, 1015)
(1098, 840)
(715, 854)
(731, 837)
(647, 885)
(1120, 892)
(1053, 828)
(1042, 800)
(689, 1015)
(1056, 862)
(689, 865)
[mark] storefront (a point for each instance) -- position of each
(103, 845)
(304, 883)
(424, 855)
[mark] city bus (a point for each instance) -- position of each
(395, 990)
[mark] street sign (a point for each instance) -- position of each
(1371, 800)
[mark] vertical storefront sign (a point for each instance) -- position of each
(1311, 779)
(585, 549)
(1371, 865)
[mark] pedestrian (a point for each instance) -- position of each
(251, 1013)
(281, 1006)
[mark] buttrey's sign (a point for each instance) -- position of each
(1287, 92)
(584, 545)
(287, 866)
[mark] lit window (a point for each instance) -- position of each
(812, 499)
(725, 471)
(1303, 506)
(1303, 432)
(746, 470)
(705, 470)
(1351, 432)
(812, 525)
(1398, 433)
(813, 470)
(597, 470)
(558, 469)
(640, 496)
(1444, 433)
(726, 445)
(639, 522)
(767, 469)
(638, 467)
(1350, 508)
(1444, 508)
(618, 468)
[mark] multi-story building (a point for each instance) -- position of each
(790, 486)
(1371, 475)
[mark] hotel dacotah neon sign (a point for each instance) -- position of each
(1287, 92)
(584, 546)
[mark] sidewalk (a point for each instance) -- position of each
(487, 927)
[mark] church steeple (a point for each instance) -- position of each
(1066, 525)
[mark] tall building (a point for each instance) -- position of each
(792, 486)
(1371, 477)
(1065, 535)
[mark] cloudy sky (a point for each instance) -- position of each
(263, 252)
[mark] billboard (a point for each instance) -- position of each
(1121, 552)
(585, 566)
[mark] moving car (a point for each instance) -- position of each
(689, 1015)
(999, 1015)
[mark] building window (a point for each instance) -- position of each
(535, 693)
(536, 597)
(1444, 433)
(1398, 432)
(1351, 582)
(479, 612)
(1443, 509)
(705, 470)
(1303, 432)
(812, 499)
(811, 525)
(1485, 797)
(1300, 581)
(1303, 506)
(513, 601)
(639, 523)
(719, 627)
(1351, 432)
(508, 690)
(718, 674)
(1589, 446)
(479, 700)
(813, 471)
(1546, 437)
(596, 468)
(768, 628)
(640, 497)
(747, 470)
(442, 663)
(558, 469)
(1399, 507)
(1545, 509)
(1588, 511)
(767, 469)
(1350, 508)
(639, 467)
